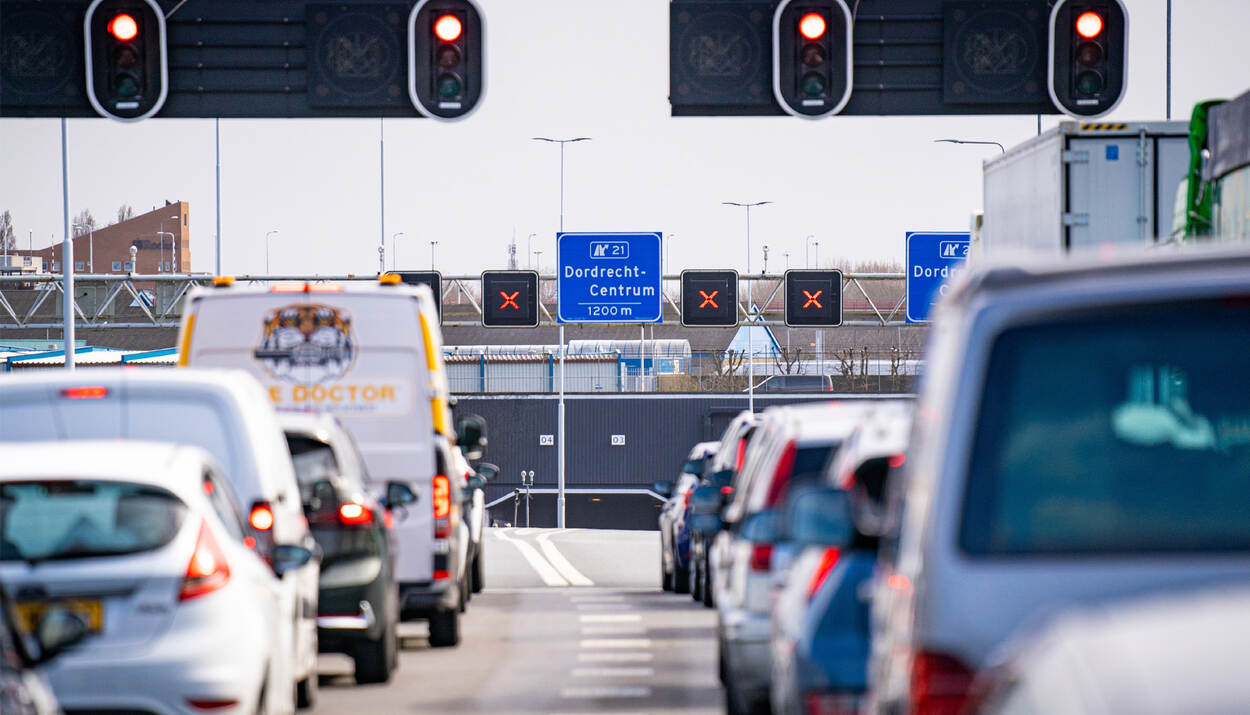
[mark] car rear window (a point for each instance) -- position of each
(1125, 432)
(58, 520)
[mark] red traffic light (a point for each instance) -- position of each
(448, 28)
(123, 27)
(1089, 25)
(812, 26)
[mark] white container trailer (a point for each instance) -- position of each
(1084, 184)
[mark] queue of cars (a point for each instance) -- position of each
(170, 542)
(1055, 525)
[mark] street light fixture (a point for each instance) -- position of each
(267, 237)
(969, 141)
(90, 242)
(561, 142)
(748, 207)
(432, 245)
(395, 249)
(529, 252)
(162, 233)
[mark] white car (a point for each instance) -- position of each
(145, 543)
(225, 412)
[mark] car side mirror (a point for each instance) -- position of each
(705, 524)
(58, 631)
(705, 500)
(288, 557)
(664, 489)
(471, 436)
(399, 494)
(487, 471)
(820, 517)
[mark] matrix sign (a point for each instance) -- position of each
(813, 298)
(510, 299)
(709, 298)
(431, 279)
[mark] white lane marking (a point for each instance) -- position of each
(613, 672)
(562, 564)
(613, 630)
(615, 643)
(609, 617)
(609, 606)
(595, 598)
(615, 657)
(537, 562)
(605, 692)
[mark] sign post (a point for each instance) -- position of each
(932, 260)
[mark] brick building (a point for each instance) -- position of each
(162, 236)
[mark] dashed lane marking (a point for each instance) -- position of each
(604, 692)
(613, 630)
(613, 672)
(596, 643)
(610, 617)
(615, 657)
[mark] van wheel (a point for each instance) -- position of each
(306, 692)
(375, 659)
(464, 594)
(476, 572)
(445, 629)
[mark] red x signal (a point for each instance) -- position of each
(509, 300)
(811, 299)
(708, 299)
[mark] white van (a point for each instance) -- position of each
(372, 354)
(226, 413)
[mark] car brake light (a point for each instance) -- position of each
(828, 560)
(761, 557)
(353, 514)
(388, 519)
(830, 704)
(742, 454)
(261, 517)
(726, 490)
(201, 704)
(207, 570)
(442, 506)
(92, 392)
(685, 500)
(781, 477)
(939, 684)
(897, 461)
(441, 574)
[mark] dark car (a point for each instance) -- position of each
(673, 521)
(358, 608)
(795, 383)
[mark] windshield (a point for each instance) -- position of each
(53, 519)
(1125, 432)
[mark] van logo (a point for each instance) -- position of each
(307, 343)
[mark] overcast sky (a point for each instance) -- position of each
(564, 68)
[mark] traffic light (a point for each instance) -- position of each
(812, 57)
(813, 298)
(510, 299)
(446, 72)
(709, 298)
(1088, 56)
(127, 67)
(431, 279)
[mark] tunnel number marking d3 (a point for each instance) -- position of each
(618, 440)
(546, 440)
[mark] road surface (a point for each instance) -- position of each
(570, 621)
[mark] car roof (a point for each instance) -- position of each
(884, 431)
(704, 449)
(316, 424)
(819, 422)
(132, 460)
(211, 378)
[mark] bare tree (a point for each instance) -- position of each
(124, 213)
(8, 240)
(786, 360)
(83, 223)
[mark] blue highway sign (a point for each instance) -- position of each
(609, 278)
(933, 259)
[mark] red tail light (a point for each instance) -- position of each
(830, 704)
(86, 392)
(828, 560)
(388, 519)
(781, 477)
(761, 557)
(685, 501)
(441, 574)
(726, 490)
(939, 684)
(261, 517)
(212, 704)
(742, 454)
(442, 506)
(353, 514)
(207, 571)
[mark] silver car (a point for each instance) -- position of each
(1083, 434)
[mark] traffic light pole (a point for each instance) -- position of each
(67, 257)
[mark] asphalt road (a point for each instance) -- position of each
(570, 622)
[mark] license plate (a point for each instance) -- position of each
(90, 610)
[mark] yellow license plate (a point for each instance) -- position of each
(91, 610)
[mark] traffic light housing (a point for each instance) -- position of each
(127, 65)
(1088, 56)
(446, 58)
(709, 298)
(812, 65)
(510, 299)
(813, 298)
(431, 279)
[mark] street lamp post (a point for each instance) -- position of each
(560, 409)
(90, 243)
(817, 245)
(395, 249)
(267, 237)
(161, 265)
(432, 245)
(787, 255)
(807, 250)
(529, 252)
(538, 260)
(668, 253)
(750, 307)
